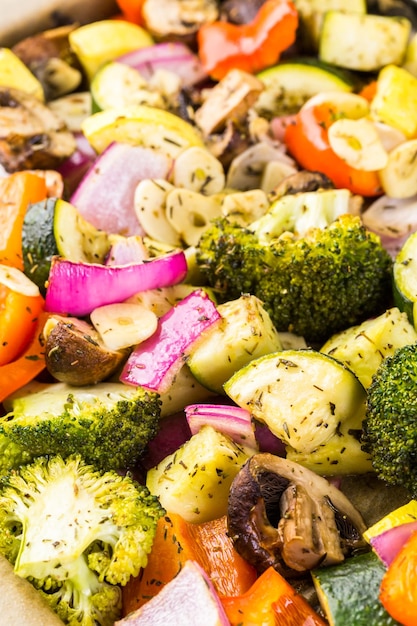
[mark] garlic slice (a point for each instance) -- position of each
(199, 170)
(358, 143)
(15, 280)
(149, 202)
(399, 176)
(190, 213)
(124, 324)
(244, 207)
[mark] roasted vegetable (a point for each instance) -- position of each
(76, 354)
(314, 286)
(31, 135)
(390, 433)
(281, 514)
(108, 424)
(76, 534)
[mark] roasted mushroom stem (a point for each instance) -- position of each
(283, 515)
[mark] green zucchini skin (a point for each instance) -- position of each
(54, 227)
(290, 84)
(38, 241)
(404, 278)
(349, 592)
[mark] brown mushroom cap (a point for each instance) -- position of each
(283, 515)
(75, 354)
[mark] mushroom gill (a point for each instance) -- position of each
(283, 515)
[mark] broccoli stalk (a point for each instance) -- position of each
(314, 285)
(76, 534)
(108, 424)
(390, 424)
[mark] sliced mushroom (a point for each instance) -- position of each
(49, 57)
(238, 12)
(178, 19)
(230, 99)
(302, 181)
(283, 515)
(227, 145)
(75, 353)
(31, 136)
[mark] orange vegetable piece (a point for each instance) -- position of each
(178, 541)
(30, 363)
(307, 141)
(369, 90)
(132, 10)
(18, 322)
(251, 47)
(271, 601)
(398, 592)
(17, 191)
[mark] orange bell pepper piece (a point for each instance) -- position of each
(307, 141)
(251, 47)
(18, 321)
(132, 10)
(17, 191)
(398, 592)
(270, 601)
(178, 541)
(30, 363)
(369, 90)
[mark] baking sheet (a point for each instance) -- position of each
(20, 18)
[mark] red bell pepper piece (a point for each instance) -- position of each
(307, 141)
(249, 47)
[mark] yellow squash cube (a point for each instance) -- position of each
(395, 101)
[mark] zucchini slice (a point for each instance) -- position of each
(364, 347)
(311, 14)
(348, 593)
(55, 227)
(119, 85)
(364, 43)
(195, 480)
(405, 277)
(302, 395)
(245, 333)
(290, 84)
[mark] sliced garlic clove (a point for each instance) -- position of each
(357, 143)
(399, 176)
(124, 324)
(16, 280)
(190, 213)
(244, 207)
(149, 203)
(199, 170)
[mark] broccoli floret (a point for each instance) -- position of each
(108, 424)
(390, 424)
(315, 285)
(12, 455)
(76, 534)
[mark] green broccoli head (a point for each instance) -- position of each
(315, 285)
(76, 534)
(390, 425)
(12, 455)
(108, 424)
